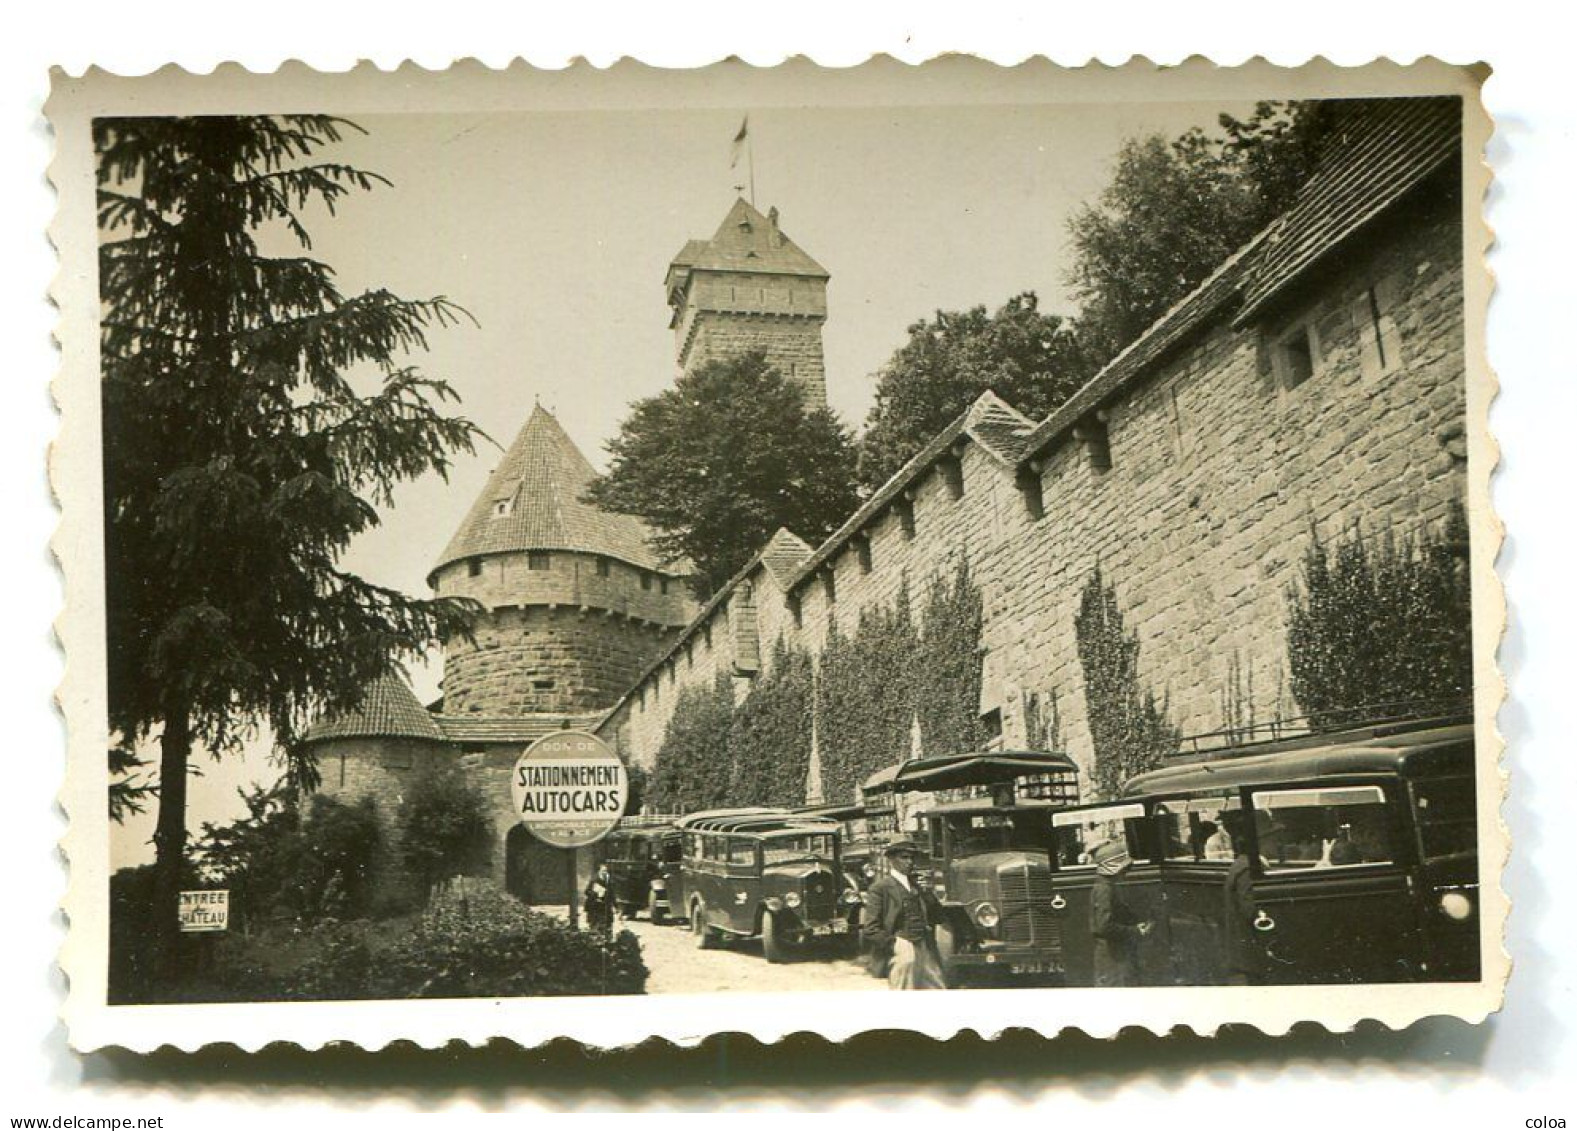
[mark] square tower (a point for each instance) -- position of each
(750, 287)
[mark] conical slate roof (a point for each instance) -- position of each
(389, 709)
(748, 241)
(532, 502)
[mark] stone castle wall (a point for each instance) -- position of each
(569, 636)
(1219, 470)
(541, 660)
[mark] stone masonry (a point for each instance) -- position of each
(1220, 465)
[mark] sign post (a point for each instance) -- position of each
(204, 912)
(569, 789)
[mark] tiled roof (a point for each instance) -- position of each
(388, 709)
(1000, 429)
(522, 728)
(747, 241)
(1382, 150)
(540, 481)
(783, 555)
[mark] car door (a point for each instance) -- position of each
(1076, 833)
(1194, 851)
(744, 883)
(1332, 898)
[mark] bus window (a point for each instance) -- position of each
(1334, 827)
(1196, 829)
(1446, 812)
(1076, 834)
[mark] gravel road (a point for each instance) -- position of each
(678, 966)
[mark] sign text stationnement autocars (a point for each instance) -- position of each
(569, 788)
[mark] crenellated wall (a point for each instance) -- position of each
(1220, 465)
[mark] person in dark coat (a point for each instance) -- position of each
(899, 924)
(1113, 924)
(1237, 911)
(598, 899)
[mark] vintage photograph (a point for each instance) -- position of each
(787, 536)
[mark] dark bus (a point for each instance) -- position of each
(1357, 856)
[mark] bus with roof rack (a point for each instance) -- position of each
(1344, 857)
(764, 873)
(987, 820)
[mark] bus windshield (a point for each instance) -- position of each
(997, 832)
(791, 849)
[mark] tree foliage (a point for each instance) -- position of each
(769, 736)
(947, 673)
(1175, 210)
(693, 768)
(723, 459)
(1029, 359)
(1383, 626)
(444, 828)
(865, 705)
(1129, 729)
(240, 459)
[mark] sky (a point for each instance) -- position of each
(555, 230)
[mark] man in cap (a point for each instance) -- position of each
(899, 922)
(1115, 927)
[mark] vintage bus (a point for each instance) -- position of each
(1334, 858)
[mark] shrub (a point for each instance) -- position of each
(692, 770)
(341, 852)
(1129, 730)
(769, 739)
(444, 828)
(474, 941)
(1381, 626)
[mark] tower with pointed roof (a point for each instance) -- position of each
(750, 287)
(574, 602)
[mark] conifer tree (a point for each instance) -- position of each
(240, 457)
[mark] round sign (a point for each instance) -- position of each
(569, 788)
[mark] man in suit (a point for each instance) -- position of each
(899, 923)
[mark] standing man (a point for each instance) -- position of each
(899, 923)
(1238, 911)
(1115, 927)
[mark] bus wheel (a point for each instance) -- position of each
(705, 937)
(772, 944)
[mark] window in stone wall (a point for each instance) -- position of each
(1096, 438)
(542, 685)
(1296, 355)
(663, 585)
(1174, 419)
(862, 545)
(604, 567)
(502, 507)
(904, 508)
(829, 584)
(1379, 342)
(952, 472)
(646, 580)
(539, 560)
(796, 610)
(473, 568)
(1031, 490)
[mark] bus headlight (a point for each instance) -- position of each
(851, 896)
(1456, 905)
(792, 899)
(870, 871)
(987, 916)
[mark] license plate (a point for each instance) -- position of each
(836, 927)
(1030, 968)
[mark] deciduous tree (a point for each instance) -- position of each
(1028, 358)
(719, 462)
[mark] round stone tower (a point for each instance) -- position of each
(575, 603)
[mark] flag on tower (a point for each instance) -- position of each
(740, 139)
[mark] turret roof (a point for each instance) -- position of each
(747, 241)
(533, 502)
(388, 709)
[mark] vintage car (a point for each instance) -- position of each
(1360, 849)
(641, 863)
(990, 865)
(765, 873)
